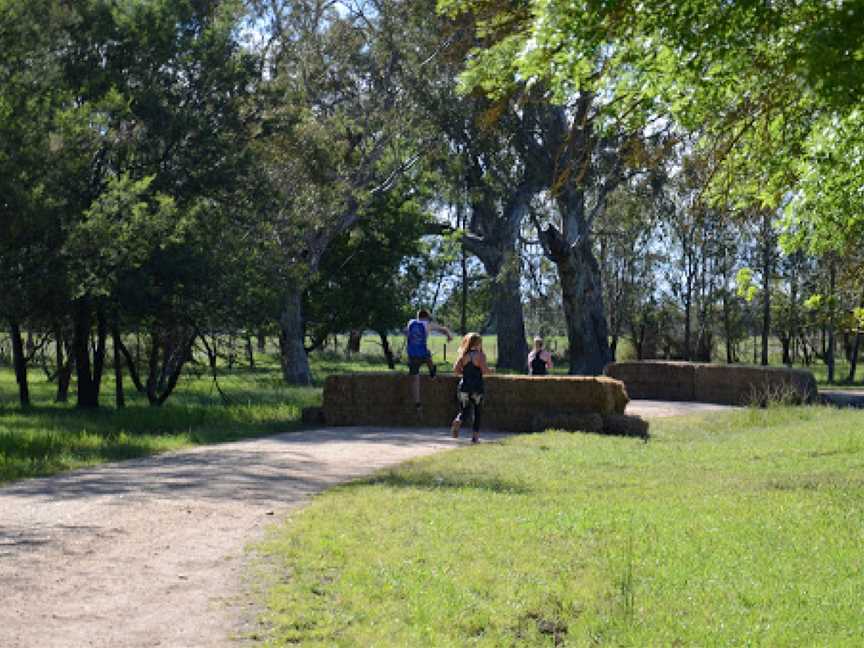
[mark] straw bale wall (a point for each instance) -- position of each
(714, 383)
(512, 403)
(656, 380)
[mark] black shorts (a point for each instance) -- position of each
(415, 362)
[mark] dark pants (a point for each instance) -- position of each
(415, 362)
(470, 401)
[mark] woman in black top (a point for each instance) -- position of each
(471, 365)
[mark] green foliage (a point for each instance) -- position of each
(745, 286)
(725, 527)
(368, 276)
(119, 232)
(773, 89)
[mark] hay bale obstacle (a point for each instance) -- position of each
(656, 380)
(714, 383)
(513, 403)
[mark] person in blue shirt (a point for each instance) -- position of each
(417, 333)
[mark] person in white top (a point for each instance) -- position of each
(539, 360)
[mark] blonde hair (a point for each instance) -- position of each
(469, 342)
(538, 343)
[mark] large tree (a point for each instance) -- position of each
(339, 132)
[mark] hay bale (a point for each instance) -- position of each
(312, 415)
(625, 425)
(656, 379)
(569, 421)
(511, 402)
(749, 385)
(714, 383)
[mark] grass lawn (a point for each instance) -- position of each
(49, 438)
(737, 529)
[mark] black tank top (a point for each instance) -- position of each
(538, 365)
(472, 377)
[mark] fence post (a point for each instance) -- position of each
(445, 352)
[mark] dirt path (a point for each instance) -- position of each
(150, 552)
(649, 409)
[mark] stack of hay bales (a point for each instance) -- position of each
(512, 404)
(385, 399)
(714, 383)
(730, 384)
(656, 379)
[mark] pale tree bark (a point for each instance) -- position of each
(856, 347)
(496, 250)
(579, 274)
(767, 244)
(832, 291)
(292, 353)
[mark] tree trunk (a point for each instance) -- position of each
(132, 365)
(587, 332)
(19, 360)
(174, 345)
(727, 326)
(786, 343)
(119, 394)
(354, 340)
(89, 374)
(262, 342)
(766, 311)
(853, 359)
(687, 322)
(295, 362)
(388, 352)
(64, 366)
(829, 353)
(508, 316)
(463, 305)
(250, 352)
(856, 346)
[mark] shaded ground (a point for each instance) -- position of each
(652, 409)
(149, 552)
(843, 397)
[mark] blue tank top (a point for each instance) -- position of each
(417, 339)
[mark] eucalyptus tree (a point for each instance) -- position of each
(766, 84)
(339, 132)
(594, 134)
(368, 277)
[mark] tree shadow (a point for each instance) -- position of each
(436, 481)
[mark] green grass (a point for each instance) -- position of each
(738, 529)
(49, 438)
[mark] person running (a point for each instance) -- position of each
(471, 366)
(417, 333)
(539, 360)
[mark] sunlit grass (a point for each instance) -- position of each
(734, 529)
(50, 437)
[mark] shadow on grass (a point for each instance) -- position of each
(435, 481)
